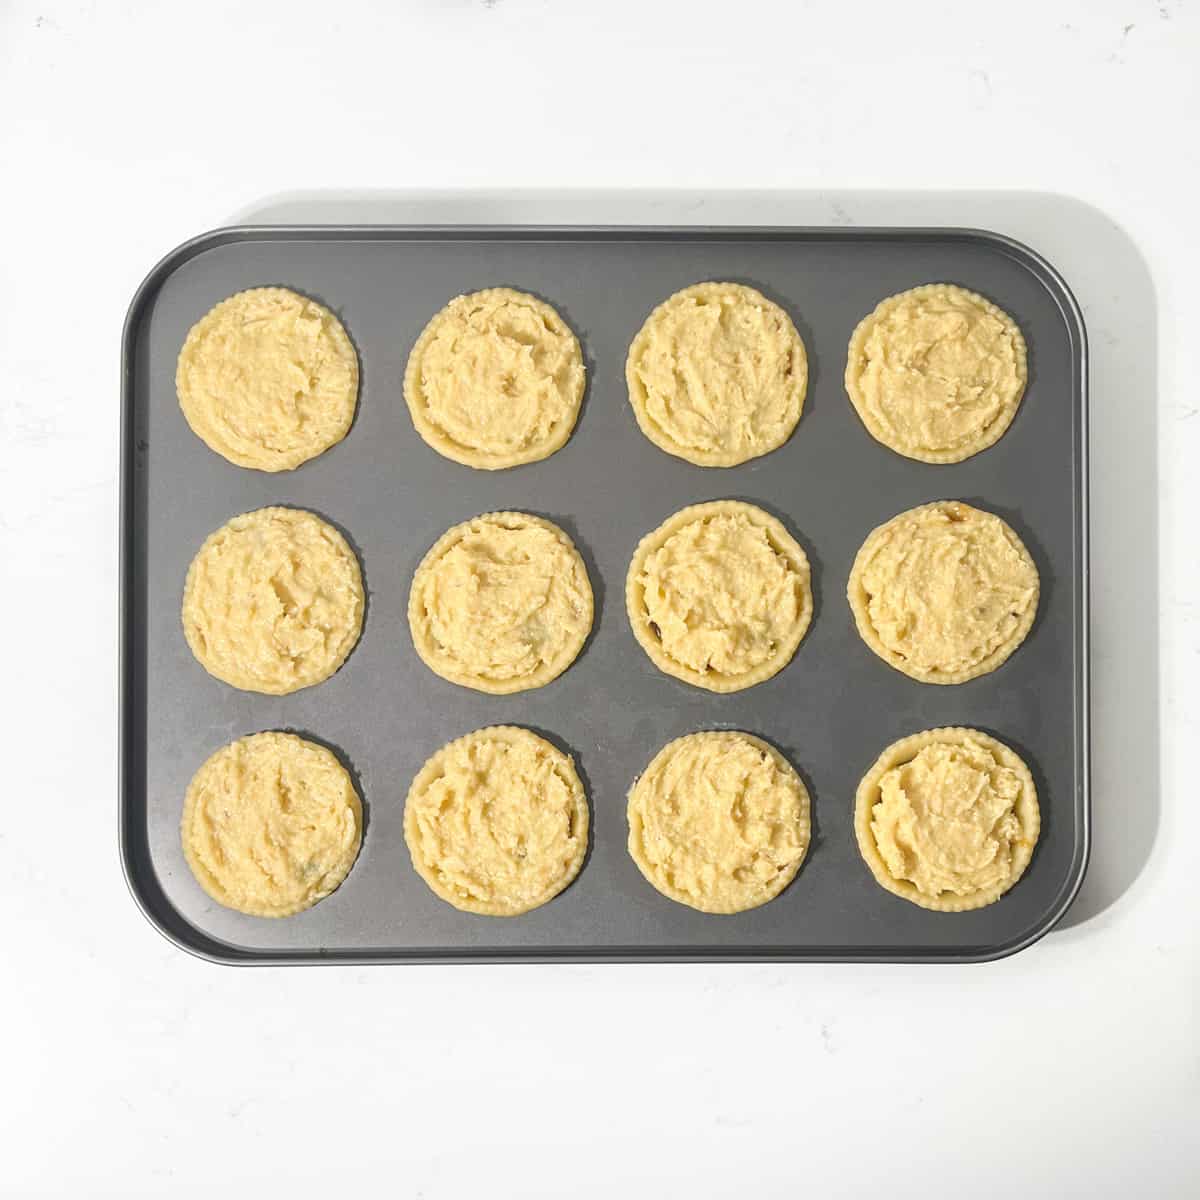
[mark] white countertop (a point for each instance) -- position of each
(131, 1069)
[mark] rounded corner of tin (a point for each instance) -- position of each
(1037, 264)
(149, 906)
(166, 266)
(1053, 914)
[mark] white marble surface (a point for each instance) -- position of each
(133, 1070)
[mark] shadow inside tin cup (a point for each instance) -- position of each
(599, 588)
(1115, 289)
(793, 755)
(589, 796)
(347, 762)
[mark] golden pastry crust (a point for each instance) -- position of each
(501, 603)
(497, 822)
(271, 824)
(268, 379)
(717, 375)
(943, 592)
(947, 819)
(495, 380)
(936, 373)
(719, 821)
(719, 595)
(273, 601)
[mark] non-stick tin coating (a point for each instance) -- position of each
(831, 711)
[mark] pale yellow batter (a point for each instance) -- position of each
(947, 819)
(717, 375)
(719, 821)
(719, 595)
(268, 379)
(497, 822)
(501, 603)
(271, 824)
(936, 373)
(273, 601)
(943, 592)
(495, 380)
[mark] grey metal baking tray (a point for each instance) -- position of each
(831, 710)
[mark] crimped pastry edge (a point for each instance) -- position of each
(242, 682)
(857, 598)
(639, 619)
(855, 358)
(423, 644)
(429, 771)
(204, 878)
(436, 438)
(904, 750)
(637, 395)
(783, 880)
(291, 461)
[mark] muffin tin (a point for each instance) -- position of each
(831, 711)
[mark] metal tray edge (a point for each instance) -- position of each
(177, 930)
